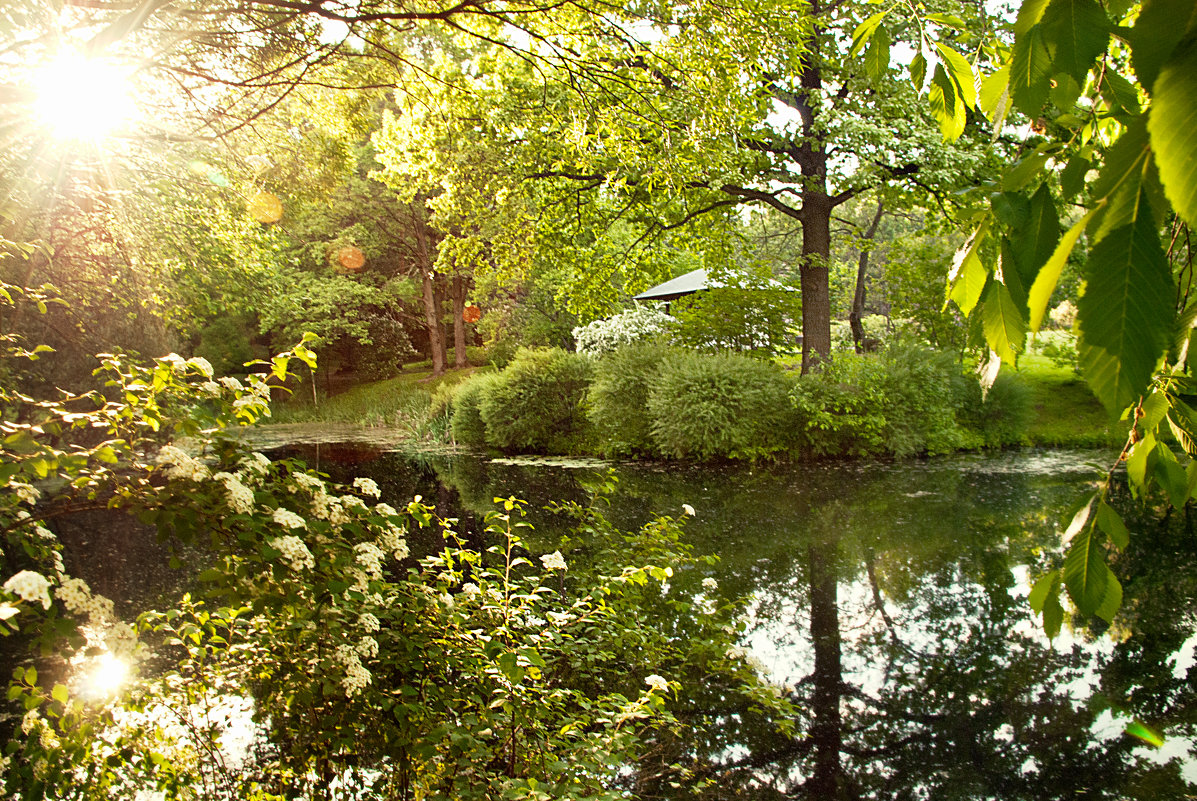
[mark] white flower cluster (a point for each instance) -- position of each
(392, 541)
(121, 639)
(288, 519)
(367, 647)
(231, 382)
(30, 586)
(326, 507)
(308, 482)
(638, 322)
(210, 388)
(180, 465)
(294, 552)
(709, 584)
(368, 555)
(367, 486)
(352, 502)
(553, 561)
(26, 492)
(369, 623)
(356, 676)
(254, 464)
(385, 509)
(78, 599)
(241, 497)
(657, 683)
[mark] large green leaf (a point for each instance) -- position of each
(1127, 180)
(877, 56)
(1049, 275)
(864, 32)
(1029, 13)
(946, 104)
(961, 72)
(1126, 312)
(1119, 93)
(1030, 72)
(1001, 319)
(1173, 129)
(1085, 573)
(1161, 26)
(1077, 32)
(1035, 240)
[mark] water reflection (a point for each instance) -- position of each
(889, 602)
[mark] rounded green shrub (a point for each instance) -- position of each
(923, 389)
(466, 423)
(1003, 415)
(618, 401)
(719, 406)
(537, 403)
(841, 408)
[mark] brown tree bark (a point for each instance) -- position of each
(828, 782)
(459, 325)
(856, 316)
(432, 306)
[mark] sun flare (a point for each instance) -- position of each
(81, 98)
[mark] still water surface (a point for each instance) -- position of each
(889, 601)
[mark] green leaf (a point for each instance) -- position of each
(1113, 599)
(1002, 322)
(995, 95)
(1017, 176)
(1085, 573)
(60, 693)
(1155, 406)
(1173, 128)
(864, 31)
(1077, 31)
(950, 20)
(961, 72)
(1171, 476)
(1047, 584)
(1161, 26)
(1072, 178)
(1127, 179)
(918, 71)
(969, 284)
(1029, 15)
(1119, 93)
(1035, 241)
(946, 105)
(1137, 462)
(1053, 616)
(1049, 275)
(1126, 313)
(877, 56)
(1111, 523)
(1030, 72)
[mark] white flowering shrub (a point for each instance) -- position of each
(342, 660)
(634, 325)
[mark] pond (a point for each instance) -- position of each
(888, 601)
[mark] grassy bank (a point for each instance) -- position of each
(1066, 414)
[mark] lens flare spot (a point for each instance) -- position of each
(265, 208)
(351, 258)
(82, 98)
(104, 676)
(1141, 731)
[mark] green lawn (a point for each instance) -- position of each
(1066, 412)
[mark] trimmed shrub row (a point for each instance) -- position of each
(652, 400)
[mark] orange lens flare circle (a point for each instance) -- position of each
(351, 258)
(265, 208)
(471, 313)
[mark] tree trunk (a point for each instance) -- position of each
(828, 782)
(856, 316)
(459, 325)
(816, 218)
(432, 306)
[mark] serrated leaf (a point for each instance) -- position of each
(1053, 616)
(1154, 407)
(1030, 72)
(1047, 584)
(1126, 313)
(1137, 462)
(877, 56)
(1017, 176)
(60, 693)
(1085, 573)
(1173, 128)
(1077, 31)
(1072, 177)
(864, 31)
(1161, 26)
(969, 284)
(1029, 14)
(1035, 241)
(1119, 93)
(1123, 185)
(918, 71)
(1049, 275)
(961, 72)
(950, 20)
(1079, 519)
(946, 105)
(1112, 601)
(1002, 322)
(1171, 476)
(992, 89)
(1111, 523)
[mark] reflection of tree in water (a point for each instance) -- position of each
(886, 595)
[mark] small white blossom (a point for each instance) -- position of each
(308, 481)
(180, 465)
(26, 492)
(688, 509)
(386, 509)
(177, 363)
(356, 676)
(553, 561)
(709, 584)
(391, 541)
(78, 599)
(470, 588)
(288, 519)
(30, 722)
(367, 486)
(352, 502)
(241, 497)
(369, 623)
(368, 555)
(210, 388)
(367, 647)
(231, 383)
(657, 683)
(30, 586)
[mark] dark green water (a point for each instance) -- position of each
(888, 601)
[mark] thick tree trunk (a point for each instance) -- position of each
(459, 325)
(828, 782)
(856, 316)
(816, 218)
(432, 306)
